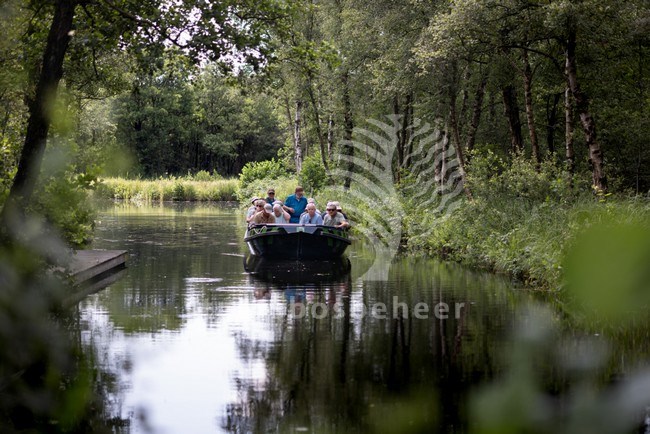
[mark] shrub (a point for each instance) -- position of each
(256, 170)
(62, 199)
(283, 186)
(313, 175)
(202, 175)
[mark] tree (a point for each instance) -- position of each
(227, 31)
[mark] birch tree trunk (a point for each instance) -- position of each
(348, 126)
(568, 132)
(297, 139)
(330, 136)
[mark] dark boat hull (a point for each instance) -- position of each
(296, 241)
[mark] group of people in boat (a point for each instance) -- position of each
(296, 209)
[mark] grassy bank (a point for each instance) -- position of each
(521, 221)
(527, 242)
(168, 189)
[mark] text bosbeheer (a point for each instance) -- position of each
(379, 310)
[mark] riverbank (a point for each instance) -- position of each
(526, 241)
(168, 189)
(524, 233)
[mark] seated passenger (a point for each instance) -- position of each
(334, 217)
(339, 209)
(310, 217)
(281, 216)
(311, 200)
(253, 209)
(265, 216)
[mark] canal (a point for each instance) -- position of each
(197, 338)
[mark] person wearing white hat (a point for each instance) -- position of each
(334, 217)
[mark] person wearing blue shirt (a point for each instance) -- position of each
(295, 205)
(310, 217)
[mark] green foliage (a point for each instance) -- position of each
(312, 176)
(257, 170)
(611, 284)
(174, 124)
(167, 189)
(8, 164)
(283, 185)
(63, 201)
(521, 222)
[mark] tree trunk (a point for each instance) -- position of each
(297, 139)
(404, 134)
(530, 114)
(568, 132)
(319, 132)
(40, 112)
(457, 145)
(551, 121)
(409, 151)
(476, 114)
(511, 111)
(330, 136)
(348, 127)
(582, 106)
(400, 141)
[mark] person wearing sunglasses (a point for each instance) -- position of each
(250, 213)
(270, 196)
(334, 218)
(265, 215)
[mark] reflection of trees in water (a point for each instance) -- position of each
(332, 374)
(50, 380)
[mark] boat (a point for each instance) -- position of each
(292, 241)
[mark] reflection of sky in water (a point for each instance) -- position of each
(181, 381)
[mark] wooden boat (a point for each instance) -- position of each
(292, 241)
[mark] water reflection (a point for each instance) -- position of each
(300, 272)
(200, 338)
(200, 342)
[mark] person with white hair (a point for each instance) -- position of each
(281, 216)
(334, 217)
(310, 217)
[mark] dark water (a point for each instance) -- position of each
(192, 342)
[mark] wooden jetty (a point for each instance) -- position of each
(88, 264)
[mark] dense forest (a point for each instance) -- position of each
(559, 80)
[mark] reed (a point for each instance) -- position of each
(167, 189)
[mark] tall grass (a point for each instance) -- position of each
(521, 222)
(167, 189)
